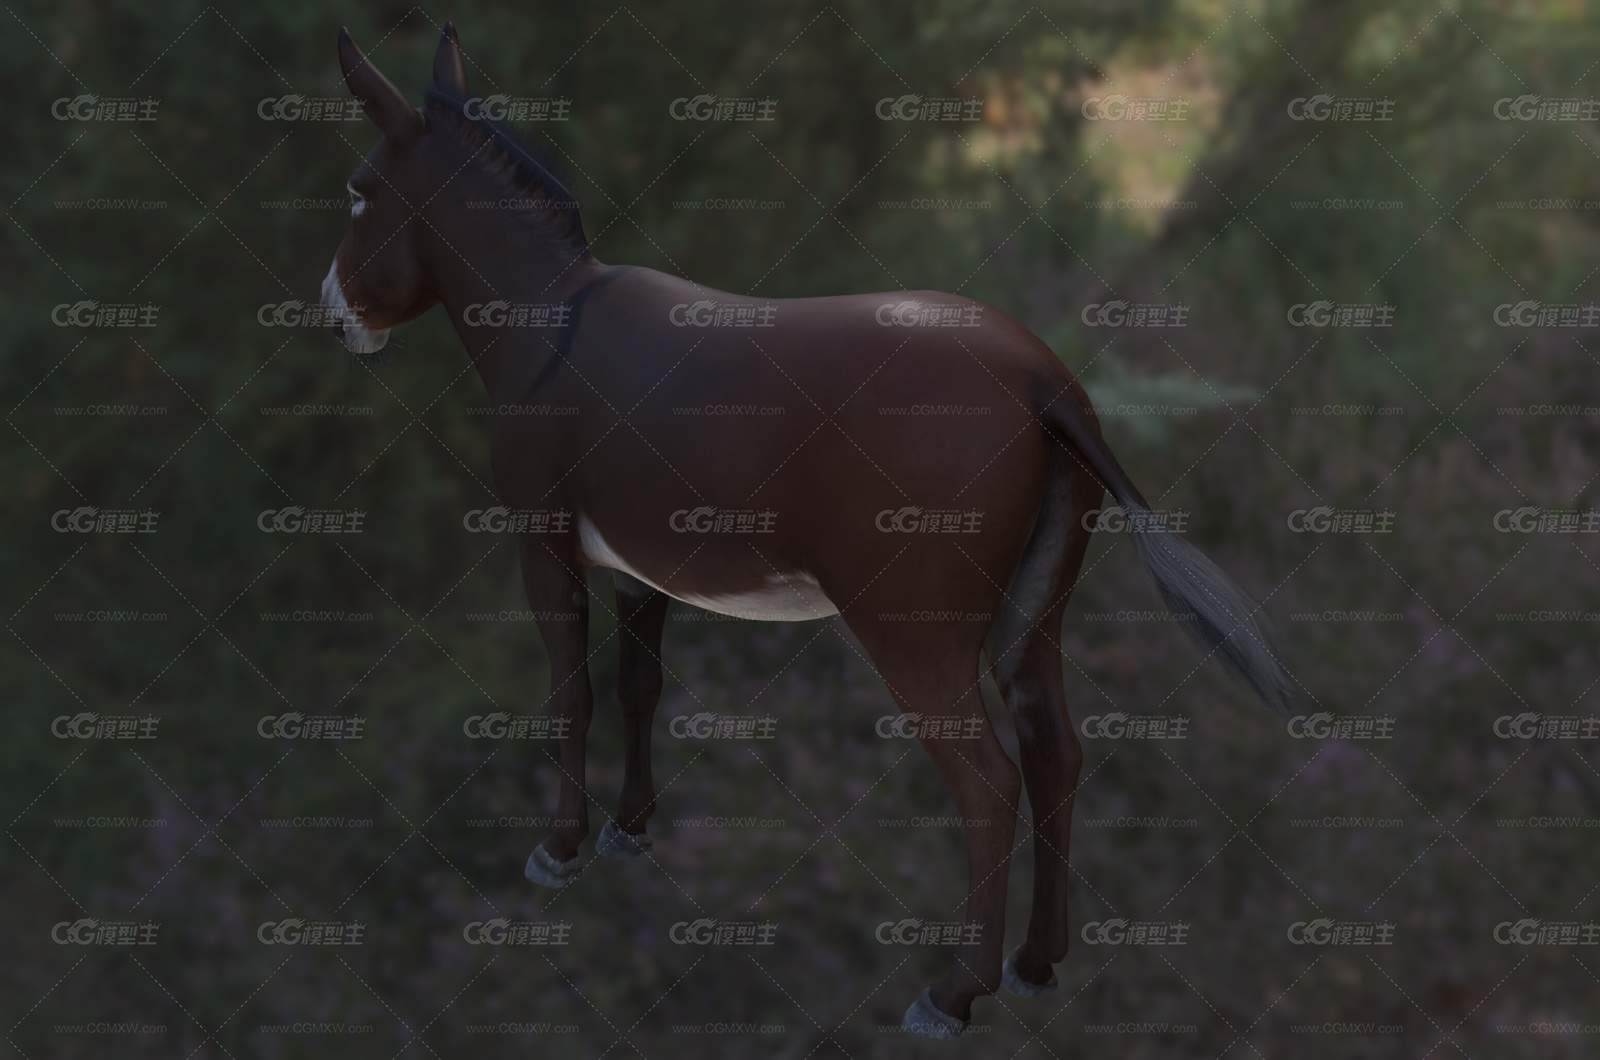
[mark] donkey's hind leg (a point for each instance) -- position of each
(1024, 653)
(1051, 762)
(938, 678)
(642, 615)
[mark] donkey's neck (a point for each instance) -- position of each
(506, 309)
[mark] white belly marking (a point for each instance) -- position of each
(792, 597)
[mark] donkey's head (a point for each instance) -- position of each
(377, 278)
(411, 217)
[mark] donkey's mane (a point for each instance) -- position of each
(526, 170)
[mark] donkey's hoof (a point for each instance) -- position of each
(1012, 980)
(546, 871)
(615, 843)
(927, 1019)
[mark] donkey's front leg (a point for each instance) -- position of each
(560, 603)
(642, 614)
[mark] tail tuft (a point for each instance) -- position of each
(1225, 622)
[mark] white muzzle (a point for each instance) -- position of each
(357, 338)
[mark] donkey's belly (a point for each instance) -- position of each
(793, 596)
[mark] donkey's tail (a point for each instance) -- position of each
(1225, 622)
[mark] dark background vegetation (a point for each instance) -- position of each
(822, 849)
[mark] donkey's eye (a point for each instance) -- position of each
(358, 201)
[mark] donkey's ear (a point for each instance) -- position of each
(449, 70)
(390, 112)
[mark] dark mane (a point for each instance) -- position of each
(532, 172)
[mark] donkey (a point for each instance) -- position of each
(843, 490)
